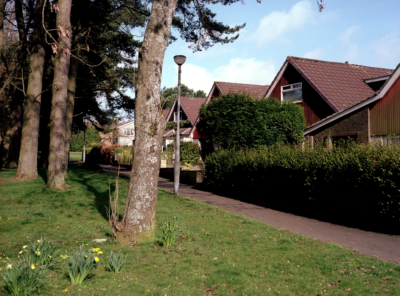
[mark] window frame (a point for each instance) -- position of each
(181, 115)
(292, 89)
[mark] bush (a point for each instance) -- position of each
(91, 136)
(94, 144)
(238, 121)
(190, 153)
(102, 155)
(126, 152)
(118, 150)
(124, 159)
(353, 179)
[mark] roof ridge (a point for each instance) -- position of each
(330, 62)
(241, 83)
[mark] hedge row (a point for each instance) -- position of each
(345, 181)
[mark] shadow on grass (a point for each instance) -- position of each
(349, 216)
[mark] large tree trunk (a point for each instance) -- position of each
(2, 7)
(55, 175)
(141, 203)
(27, 168)
(73, 72)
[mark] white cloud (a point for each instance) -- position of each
(352, 52)
(387, 50)
(314, 54)
(238, 70)
(346, 36)
(278, 24)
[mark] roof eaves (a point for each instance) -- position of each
(375, 97)
(276, 79)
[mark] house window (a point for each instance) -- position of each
(180, 117)
(292, 93)
(128, 132)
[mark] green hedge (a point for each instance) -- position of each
(351, 180)
(91, 136)
(238, 121)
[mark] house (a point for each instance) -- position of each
(125, 133)
(375, 118)
(324, 88)
(189, 112)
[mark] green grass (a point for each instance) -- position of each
(216, 252)
(75, 156)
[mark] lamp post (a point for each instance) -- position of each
(84, 141)
(179, 60)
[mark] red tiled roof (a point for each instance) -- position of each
(166, 112)
(342, 85)
(122, 123)
(254, 90)
(191, 106)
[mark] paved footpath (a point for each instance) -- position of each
(382, 246)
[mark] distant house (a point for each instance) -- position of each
(324, 88)
(125, 133)
(189, 110)
(375, 118)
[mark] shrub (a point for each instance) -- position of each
(126, 152)
(239, 121)
(94, 144)
(116, 261)
(353, 179)
(91, 136)
(80, 264)
(102, 155)
(118, 150)
(124, 159)
(190, 153)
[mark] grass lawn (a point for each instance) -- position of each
(75, 156)
(217, 252)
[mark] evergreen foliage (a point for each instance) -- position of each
(190, 153)
(236, 121)
(92, 136)
(349, 179)
(170, 95)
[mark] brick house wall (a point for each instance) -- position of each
(355, 125)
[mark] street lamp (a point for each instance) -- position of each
(84, 141)
(179, 60)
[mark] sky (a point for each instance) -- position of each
(363, 32)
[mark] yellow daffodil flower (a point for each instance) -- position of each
(38, 240)
(50, 257)
(99, 252)
(24, 247)
(9, 266)
(37, 253)
(32, 266)
(96, 259)
(85, 256)
(21, 252)
(66, 290)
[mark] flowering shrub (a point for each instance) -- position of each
(353, 179)
(81, 263)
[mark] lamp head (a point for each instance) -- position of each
(179, 59)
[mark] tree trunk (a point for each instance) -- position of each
(73, 72)
(2, 7)
(27, 168)
(141, 203)
(55, 175)
(14, 132)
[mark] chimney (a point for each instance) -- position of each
(346, 62)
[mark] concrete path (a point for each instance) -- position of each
(382, 246)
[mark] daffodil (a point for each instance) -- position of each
(50, 257)
(32, 266)
(37, 253)
(9, 266)
(96, 259)
(38, 240)
(24, 247)
(99, 252)
(66, 290)
(21, 252)
(85, 256)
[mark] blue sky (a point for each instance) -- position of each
(363, 32)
